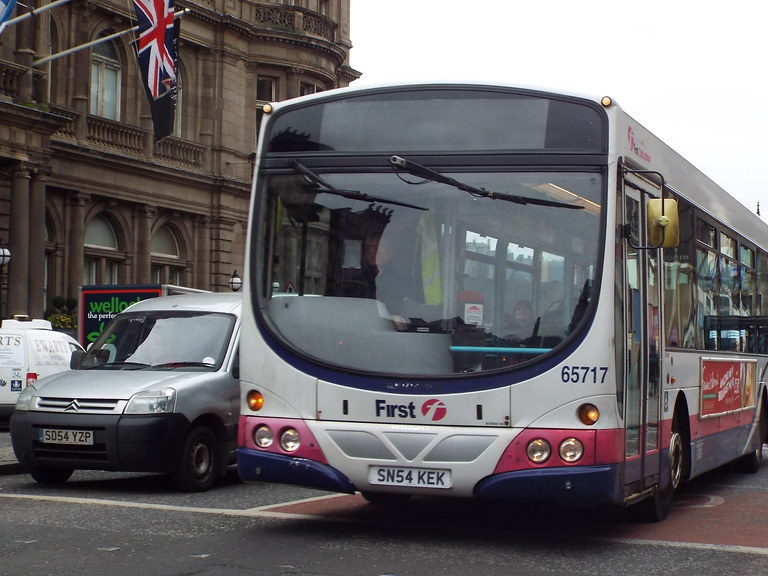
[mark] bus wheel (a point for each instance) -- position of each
(657, 507)
(751, 462)
(200, 461)
(386, 498)
(50, 476)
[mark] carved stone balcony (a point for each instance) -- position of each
(10, 74)
(280, 18)
(126, 140)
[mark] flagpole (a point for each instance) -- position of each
(42, 61)
(33, 12)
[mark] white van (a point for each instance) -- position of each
(29, 350)
(157, 392)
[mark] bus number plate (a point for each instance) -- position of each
(410, 477)
(57, 436)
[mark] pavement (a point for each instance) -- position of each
(8, 462)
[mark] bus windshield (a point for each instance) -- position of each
(390, 271)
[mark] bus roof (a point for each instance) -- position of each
(680, 175)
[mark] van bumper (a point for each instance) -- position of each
(5, 413)
(128, 443)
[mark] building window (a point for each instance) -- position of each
(167, 265)
(102, 259)
(307, 88)
(105, 81)
(265, 89)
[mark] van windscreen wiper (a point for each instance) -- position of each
(423, 172)
(351, 194)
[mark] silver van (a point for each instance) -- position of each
(29, 349)
(157, 392)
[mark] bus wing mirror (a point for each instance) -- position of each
(663, 223)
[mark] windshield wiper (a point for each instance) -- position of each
(181, 364)
(123, 365)
(351, 194)
(423, 172)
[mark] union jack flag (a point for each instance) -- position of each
(156, 51)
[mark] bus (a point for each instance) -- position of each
(494, 292)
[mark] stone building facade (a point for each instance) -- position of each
(88, 197)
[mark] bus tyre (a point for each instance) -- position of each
(200, 461)
(386, 498)
(657, 507)
(751, 462)
(50, 476)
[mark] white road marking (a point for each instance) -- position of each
(264, 512)
(261, 512)
(686, 501)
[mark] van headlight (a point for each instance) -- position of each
(152, 402)
(24, 401)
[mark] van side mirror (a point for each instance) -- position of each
(663, 223)
(76, 359)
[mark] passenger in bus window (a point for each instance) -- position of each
(379, 279)
(519, 324)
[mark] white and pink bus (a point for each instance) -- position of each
(488, 291)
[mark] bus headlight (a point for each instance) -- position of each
(290, 440)
(571, 450)
(263, 437)
(538, 451)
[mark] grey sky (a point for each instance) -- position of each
(693, 72)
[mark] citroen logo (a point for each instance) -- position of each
(72, 406)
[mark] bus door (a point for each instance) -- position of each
(642, 317)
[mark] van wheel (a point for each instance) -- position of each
(50, 476)
(200, 461)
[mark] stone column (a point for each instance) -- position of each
(143, 263)
(25, 55)
(81, 65)
(76, 241)
(293, 82)
(18, 270)
(37, 243)
(202, 254)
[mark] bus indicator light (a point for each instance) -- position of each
(589, 414)
(255, 400)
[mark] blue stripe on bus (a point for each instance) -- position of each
(257, 466)
(712, 450)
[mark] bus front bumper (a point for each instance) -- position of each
(584, 485)
(258, 466)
